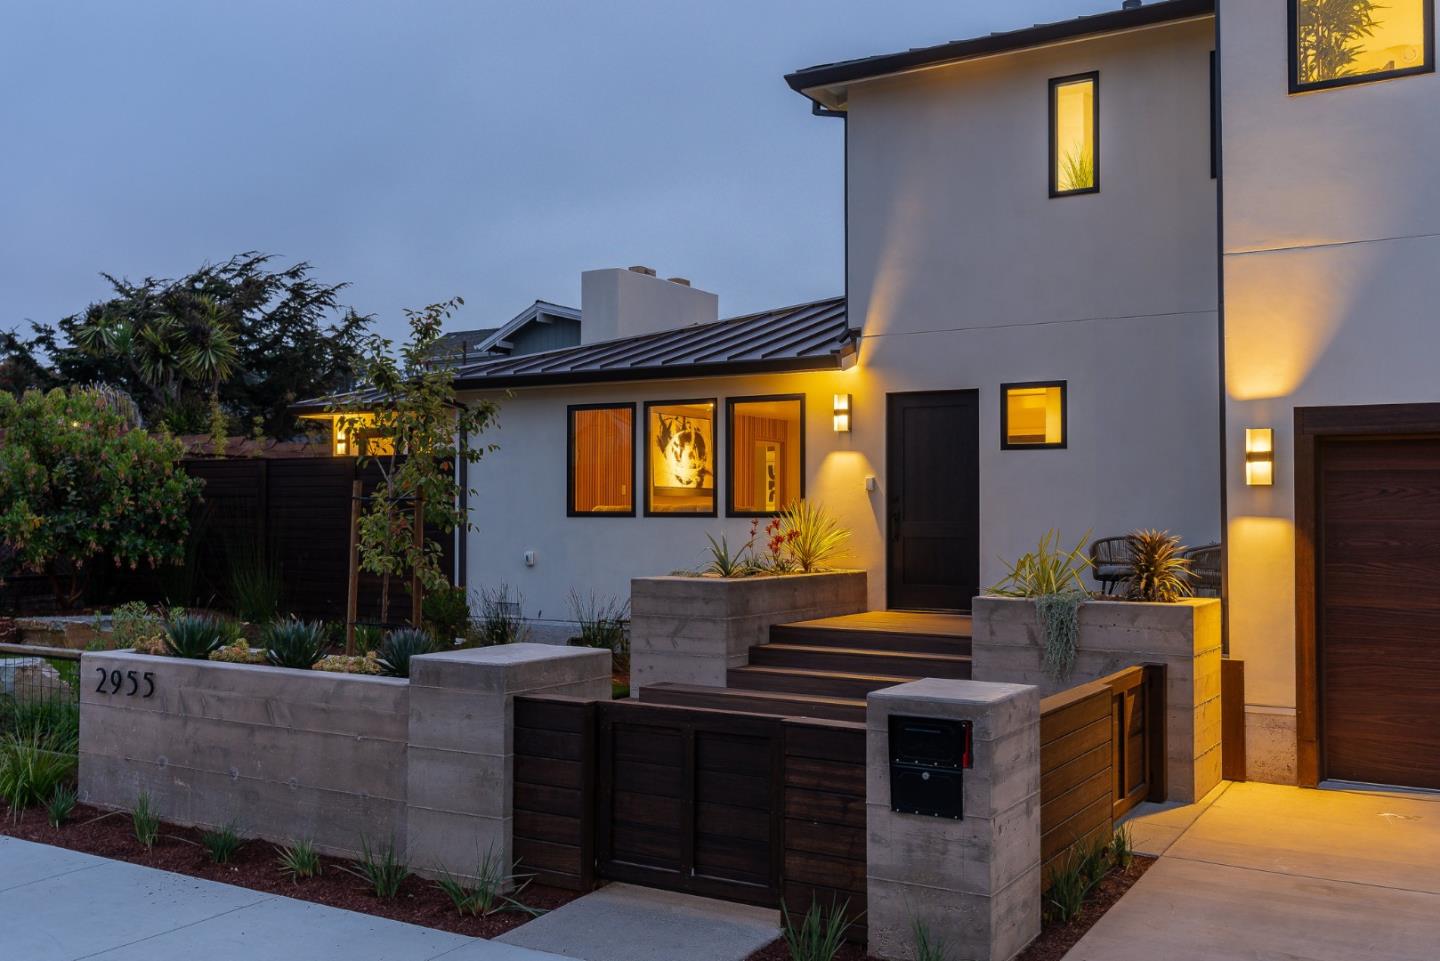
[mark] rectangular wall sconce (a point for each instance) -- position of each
(842, 413)
(1259, 456)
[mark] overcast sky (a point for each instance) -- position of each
(426, 149)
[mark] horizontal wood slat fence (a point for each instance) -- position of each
(554, 804)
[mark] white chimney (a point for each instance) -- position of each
(623, 303)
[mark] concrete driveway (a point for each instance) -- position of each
(1260, 872)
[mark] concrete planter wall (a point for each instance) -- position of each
(1114, 635)
(289, 755)
(691, 630)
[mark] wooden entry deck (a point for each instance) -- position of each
(908, 624)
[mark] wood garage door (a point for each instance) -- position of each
(1378, 591)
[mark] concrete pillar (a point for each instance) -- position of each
(460, 756)
(975, 882)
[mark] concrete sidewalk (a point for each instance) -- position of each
(1261, 871)
(59, 905)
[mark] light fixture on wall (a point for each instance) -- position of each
(842, 413)
(1259, 456)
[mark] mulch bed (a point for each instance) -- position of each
(1055, 939)
(178, 849)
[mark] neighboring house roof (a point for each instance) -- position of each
(813, 336)
(825, 84)
(461, 342)
(463, 346)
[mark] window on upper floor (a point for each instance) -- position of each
(1032, 416)
(1074, 135)
(1338, 42)
(767, 454)
(602, 460)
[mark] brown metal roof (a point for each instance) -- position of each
(813, 336)
(1114, 21)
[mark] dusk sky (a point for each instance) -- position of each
(426, 149)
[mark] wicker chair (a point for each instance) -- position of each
(1110, 561)
(1205, 569)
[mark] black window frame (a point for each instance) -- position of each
(730, 403)
(1292, 38)
(570, 411)
(715, 442)
(1056, 83)
(1064, 414)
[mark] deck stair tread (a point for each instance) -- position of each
(845, 684)
(881, 630)
(893, 622)
(780, 703)
(854, 660)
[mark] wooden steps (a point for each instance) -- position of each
(797, 681)
(882, 630)
(857, 660)
(755, 702)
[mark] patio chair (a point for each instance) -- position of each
(1110, 561)
(1205, 569)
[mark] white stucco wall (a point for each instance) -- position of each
(1331, 244)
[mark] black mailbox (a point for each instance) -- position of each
(928, 758)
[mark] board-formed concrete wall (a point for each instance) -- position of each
(1184, 636)
(691, 630)
(288, 755)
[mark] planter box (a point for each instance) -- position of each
(691, 630)
(1114, 635)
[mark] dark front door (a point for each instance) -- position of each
(933, 478)
(1379, 610)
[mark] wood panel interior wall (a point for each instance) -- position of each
(751, 430)
(554, 801)
(604, 459)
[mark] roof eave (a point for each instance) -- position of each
(783, 365)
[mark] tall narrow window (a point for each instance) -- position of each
(1337, 43)
(1032, 415)
(767, 454)
(602, 460)
(680, 458)
(1074, 135)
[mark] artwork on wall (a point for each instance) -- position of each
(768, 458)
(682, 458)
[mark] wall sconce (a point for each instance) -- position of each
(842, 413)
(1259, 456)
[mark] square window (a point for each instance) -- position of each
(1032, 415)
(1074, 135)
(1335, 44)
(602, 460)
(767, 454)
(680, 458)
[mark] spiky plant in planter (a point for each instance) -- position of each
(400, 646)
(1159, 569)
(1051, 577)
(192, 636)
(294, 643)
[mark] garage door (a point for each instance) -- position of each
(1379, 616)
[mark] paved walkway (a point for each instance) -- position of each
(1259, 872)
(59, 905)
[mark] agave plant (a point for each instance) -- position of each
(294, 643)
(192, 636)
(727, 563)
(400, 646)
(1159, 569)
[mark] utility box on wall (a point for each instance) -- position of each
(928, 758)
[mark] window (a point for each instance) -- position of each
(1074, 135)
(1335, 44)
(767, 454)
(1032, 415)
(602, 460)
(680, 458)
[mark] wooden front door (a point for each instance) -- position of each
(690, 800)
(1378, 599)
(932, 463)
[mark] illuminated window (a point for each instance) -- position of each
(1032, 415)
(1074, 135)
(354, 435)
(1337, 43)
(602, 460)
(680, 458)
(767, 454)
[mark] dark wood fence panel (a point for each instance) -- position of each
(824, 837)
(1232, 720)
(554, 801)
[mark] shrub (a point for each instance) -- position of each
(485, 894)
(1072, 882)
(239, 652)
(604, 624)
(192, 636)
(298, 861)
(222, 843)
(145, 822)
(1159, 570)
(61, 804)
(446, 612)
(501, 620)
(55, 720)
(810, 536)
(819, 934)
(1122, 848)
(134, 625)
(294, 643)
(382, 870)
(400, 646)
(368, 638)
(33, 764)
(345, 664)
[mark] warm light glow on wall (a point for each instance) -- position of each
(842, 413)
(1259, 456)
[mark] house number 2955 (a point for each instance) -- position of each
(128, 683)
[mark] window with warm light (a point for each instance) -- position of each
(767, 454)
(602, 460)
(1032, 416)
(1334, 44)
(355, 435)
(1074, 135)
(680, 458)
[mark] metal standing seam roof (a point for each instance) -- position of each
(813, 336)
